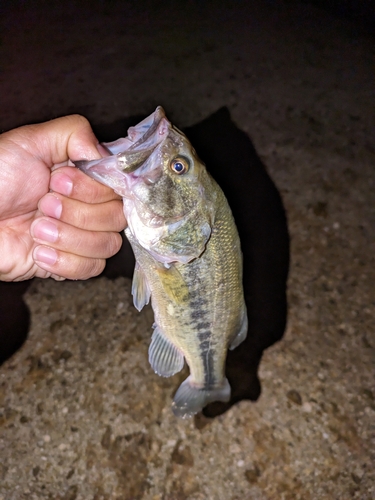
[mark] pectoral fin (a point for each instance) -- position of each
(164, 357)
(140, 289)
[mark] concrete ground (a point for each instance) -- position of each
(82, 416)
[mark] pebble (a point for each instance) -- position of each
(306, 407)
(252, 475)
(294, 397)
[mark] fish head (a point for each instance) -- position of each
(165, 187)
(168, 185)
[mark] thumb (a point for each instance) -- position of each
(57, 141)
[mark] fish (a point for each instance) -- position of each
(188, 256)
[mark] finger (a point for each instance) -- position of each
(66, 265)
(67, 238)
(107, 216)
(71, 182)
(56, 141)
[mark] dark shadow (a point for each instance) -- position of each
(260, 217)
(14, 318)
(257, 207)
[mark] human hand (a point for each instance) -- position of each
(65, 233)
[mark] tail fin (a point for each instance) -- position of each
(189, 399)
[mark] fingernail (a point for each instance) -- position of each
(45, 255)
(44, 230)
(50, 205)
(61, 183)
(102, 150)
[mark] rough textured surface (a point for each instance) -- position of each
(81, 414)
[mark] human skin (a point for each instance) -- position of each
(54, 220)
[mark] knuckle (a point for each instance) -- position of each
(98, 267)
(79, 120)
(75, 241)
(82, 219)
(120, 217)
(114, 244)
(90, 268)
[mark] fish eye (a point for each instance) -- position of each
(179, 165)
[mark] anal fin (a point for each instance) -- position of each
(165, 359)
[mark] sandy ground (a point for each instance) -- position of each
(82, 416)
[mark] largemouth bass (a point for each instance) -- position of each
(188, 256)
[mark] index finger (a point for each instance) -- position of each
(73, 183)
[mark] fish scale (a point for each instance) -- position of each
(188, 256)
